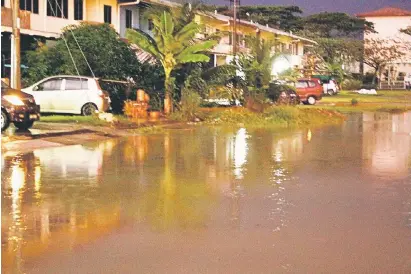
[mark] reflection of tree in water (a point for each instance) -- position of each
(270, 161)
(20, 181)
(166, 201)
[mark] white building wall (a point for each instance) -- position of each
(135, 18)
(388, 28)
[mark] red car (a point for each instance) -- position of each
(310, 90)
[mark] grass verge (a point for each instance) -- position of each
(275, 117)
(392, 101)
(382, 96)
(89, 120)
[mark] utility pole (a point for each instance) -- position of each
(235, 28)
(15, 46)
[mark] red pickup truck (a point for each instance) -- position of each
(310, 90)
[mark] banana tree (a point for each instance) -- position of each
(257, 64)
(171, 45)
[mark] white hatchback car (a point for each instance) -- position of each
(70, 94)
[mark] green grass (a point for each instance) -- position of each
(393, 101)
(147, 130)
(89, 120)
(366, 108)
(383, 96)
(275, 117)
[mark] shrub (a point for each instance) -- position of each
(351, 84)
(189, 106)
(354, 102)
(275, 89)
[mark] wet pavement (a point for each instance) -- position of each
(201, 200)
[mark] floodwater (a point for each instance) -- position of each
(213, 200)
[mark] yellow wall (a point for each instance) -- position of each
(95, 11)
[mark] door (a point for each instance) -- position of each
(46, 94)
(74, 94)
(302, 89)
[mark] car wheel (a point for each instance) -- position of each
(5, 121)
(311, 100)
(23, 125)
(330, 92)
(88, 109)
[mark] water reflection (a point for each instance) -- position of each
(186, 181)
(387, 144)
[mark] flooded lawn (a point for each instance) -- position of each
(212, 200)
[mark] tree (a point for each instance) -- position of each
(335, 24)
(407, 30)
(174, 43)
(107, 55)
(257, 64)
(379, 52)
(338, 50)
(283, 17)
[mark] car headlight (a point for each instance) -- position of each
(13, 99)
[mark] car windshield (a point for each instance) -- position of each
(4, 85)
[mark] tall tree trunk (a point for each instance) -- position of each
(168, 90)
(375, 76)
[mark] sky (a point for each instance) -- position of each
(316, 6)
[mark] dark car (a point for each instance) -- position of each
(288, 97)
(17, 107)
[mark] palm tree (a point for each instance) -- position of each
(257, 64)
(174, 43)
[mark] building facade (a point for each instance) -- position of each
(387, 23)
(46, 18)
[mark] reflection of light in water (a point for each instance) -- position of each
(278, 213)
(17, 181)
(15, 230)
(240, 152)
(387, 145)
(309, 135)
(76, 158)
(278, 153)
(37, 178)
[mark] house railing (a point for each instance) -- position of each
(392, 85)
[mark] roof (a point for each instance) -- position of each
(229, 19)
(385, 12)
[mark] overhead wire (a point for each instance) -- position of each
(65, 40)
(75, 39)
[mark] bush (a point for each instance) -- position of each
(189, 106)
(275, 89)
(108, 56)
(351, 84)
(354, 102)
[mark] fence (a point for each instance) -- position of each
(392, 84)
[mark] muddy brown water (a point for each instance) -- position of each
(213, 200)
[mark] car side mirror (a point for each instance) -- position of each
(35, 88)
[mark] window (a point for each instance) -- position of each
(78, 9)
(301, 84)
(76, 84)
(52, 84)
(57, 8)
(311, 84)
(129, 19)
(2, 3)
(296, 49)
(150, 25)
(29, 5)
(107, 14)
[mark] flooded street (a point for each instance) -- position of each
(213, 200)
